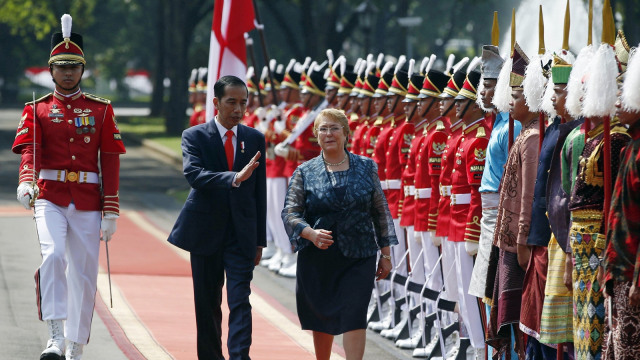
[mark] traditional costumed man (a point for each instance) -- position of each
(622, 260)
(588, 195)
(69, 172)
(466, 206)
(514, 217)
(496, 157)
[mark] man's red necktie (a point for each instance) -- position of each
(228, 148)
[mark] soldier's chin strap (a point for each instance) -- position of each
(449, 109)
(76, 86)
(433, 100)
(393, 108)
(333, 97)
(410, 116)
(369, 107)
(466, 107)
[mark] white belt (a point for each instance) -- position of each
(394, 184)
(423, 193)
(445, 190)
(409, 190)
(383, 185)
(460, 199)
(80, 177)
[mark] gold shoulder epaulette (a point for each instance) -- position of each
(38, 100)
(97, 98)
(481, 133)
(440, 126)
(378, 121)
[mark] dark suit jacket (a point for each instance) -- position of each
(215, 209)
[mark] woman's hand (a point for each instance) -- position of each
(321, 238)
(384, 268)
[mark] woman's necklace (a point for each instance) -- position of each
(336, 164)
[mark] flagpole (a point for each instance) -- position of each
(260, 28)
(249, 41)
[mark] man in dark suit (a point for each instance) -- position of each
(223, 221)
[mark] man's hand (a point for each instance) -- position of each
(108, 226)
(256, 262)
(246, 171)
(634, 295)
(293, 154)
(27, 193)
(568, 272)
(524, 253)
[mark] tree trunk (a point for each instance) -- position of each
(157, 97)
(177, 55)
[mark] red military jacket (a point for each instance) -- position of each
(276, 164)
(199, 115)
(358, 137)
(408, 176)
(251, 119)
(465, 182)
(433, 147)
(381, 143)
(78, 133)
(446, 168)
(306, 144)
(396, 158)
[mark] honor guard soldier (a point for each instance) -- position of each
(71, 178)
(192, 86)
(447, 110)
(199, 115)
(466, 204)
(333, 80)
(436, 129)
(251, 116)
(413, 134)
(290, 110)
(381, 118)
(369, 83)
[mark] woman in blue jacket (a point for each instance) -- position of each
(337, 218)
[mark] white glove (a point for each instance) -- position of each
(261, 113)
(26, 192)
(263, 126)
(281, 150)
(108, 226)
(436, 240)
(417, 236)
(273, 113)
(471, 247)
(279, 126)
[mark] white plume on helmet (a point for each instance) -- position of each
(630, 93)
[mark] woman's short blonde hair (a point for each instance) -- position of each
(335, 115)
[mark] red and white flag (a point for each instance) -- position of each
(227, 52)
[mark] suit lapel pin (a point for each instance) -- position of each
(242, 147)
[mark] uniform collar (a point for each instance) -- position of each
(69, 97)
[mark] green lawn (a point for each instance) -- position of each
(151, 128)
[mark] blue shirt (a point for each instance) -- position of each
(497, 152)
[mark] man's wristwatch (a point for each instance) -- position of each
(388, 257)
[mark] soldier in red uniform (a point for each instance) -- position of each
(288, 112)
(254, 103)
(366, 109)
(444, 203)
(380, 119)
(199, 115)
(71, 179)
(466, 204)
(435, 130)
(413, 134)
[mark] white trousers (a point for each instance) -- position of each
(276, 193)
(397, 251)
(469, 305)
(66, 279)
(449, 270)
(417, 265)
(430, 261)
